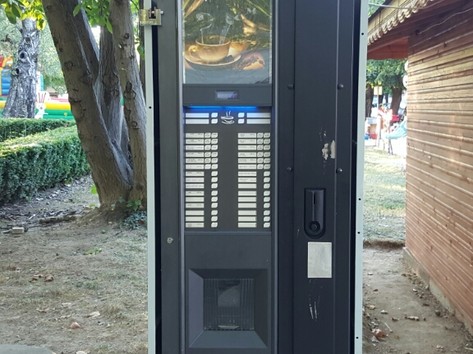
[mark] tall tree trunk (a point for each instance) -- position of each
(368, 100)
(110, 165)
(396, 99)
(22, 97)
(134, 103)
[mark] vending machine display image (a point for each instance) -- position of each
(227, 41)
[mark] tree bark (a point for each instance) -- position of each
(109, 92)
(396, 99)
(134, 104)
(110, 165)
(369, 93)
(22, 96)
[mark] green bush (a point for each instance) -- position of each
(39, 161)
(11, 128)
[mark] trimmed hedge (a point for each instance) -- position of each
(39, 161)
(11, 128)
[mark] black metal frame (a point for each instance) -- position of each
(307, 37)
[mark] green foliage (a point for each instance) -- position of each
(39, 161)
(134, 205)
(13, 9)
(97, 12)
(11, 128)
(387, 73)
(20, 9)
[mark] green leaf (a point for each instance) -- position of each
(16, 11)
(109, 26)
(77, 9)
(11, 16)
(40, 24)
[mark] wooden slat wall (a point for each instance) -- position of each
(439, 216)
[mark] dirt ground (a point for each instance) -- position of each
(70, 286)
(82, 288)
(401, 311)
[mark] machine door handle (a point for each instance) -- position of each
(314, 218)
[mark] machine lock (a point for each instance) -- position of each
(150, 17)
(314, 212)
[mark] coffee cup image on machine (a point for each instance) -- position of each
(231, 37)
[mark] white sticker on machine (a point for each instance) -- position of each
(319, 260)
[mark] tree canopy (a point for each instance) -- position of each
(388, 73)
(20, 9)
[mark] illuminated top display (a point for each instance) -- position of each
(227, 41)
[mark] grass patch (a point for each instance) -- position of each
(115, 311)
(385, 196)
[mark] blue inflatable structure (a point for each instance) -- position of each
(5, 75)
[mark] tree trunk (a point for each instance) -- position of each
(396, 99)
(22, 97)
(109, 91)
(110, 165)
(368, 100)
(134, 103)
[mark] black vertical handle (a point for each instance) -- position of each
(314, 220)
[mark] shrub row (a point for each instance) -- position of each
(11, 128)
(39, 161)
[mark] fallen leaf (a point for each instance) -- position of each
(48, 278)
(412, 318)
(94, 314)
(74, 325)
(384, 312)
(36, 277)
(379, 333)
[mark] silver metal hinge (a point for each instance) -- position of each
(150, 17)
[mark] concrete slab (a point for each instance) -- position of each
(22, 349)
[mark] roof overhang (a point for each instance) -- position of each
(390, 27)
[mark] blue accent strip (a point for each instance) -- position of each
(226, 108)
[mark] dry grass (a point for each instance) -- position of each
(384, 189)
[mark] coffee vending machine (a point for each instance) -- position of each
(254, 175)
